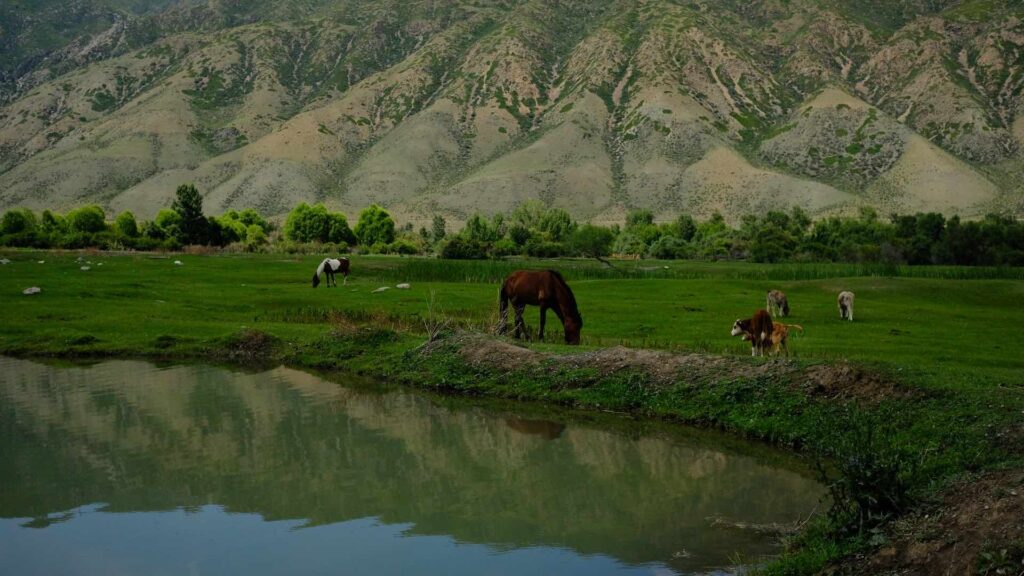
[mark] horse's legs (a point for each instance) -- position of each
(520, 324)
(344, 281)
(543, 318)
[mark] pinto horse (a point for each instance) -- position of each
(331, 266)
(544, 288)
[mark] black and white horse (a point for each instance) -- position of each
(331, 266)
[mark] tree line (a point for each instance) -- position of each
(533, 229)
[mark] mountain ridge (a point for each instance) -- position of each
(453, 107)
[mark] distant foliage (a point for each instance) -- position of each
(308, 224)
(532, 229)
(375, 227)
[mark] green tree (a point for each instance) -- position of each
(686, 227)
(188, 203)
(167, 224)
(375, 226)
(637, 218)
(125, 225)
(18, 222)
(438, 231)
(87, 220)
(557, 224)
(592, 241)
(53, 223)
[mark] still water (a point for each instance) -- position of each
(124, 467)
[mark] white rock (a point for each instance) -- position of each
(403, 286)
(4, 261)
(100, 264)
(381, 289)
(42, 262)
(32, 290)
(177, 262)
(86, 268)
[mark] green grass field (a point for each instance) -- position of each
(945, 332)
(948, 336)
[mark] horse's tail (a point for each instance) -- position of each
(503, 299)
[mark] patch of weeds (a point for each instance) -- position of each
(249, 345)
(1007, 561)
(83, 340)
(870, 476)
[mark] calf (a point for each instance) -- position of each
(846, 305)
(757, 329)
(780, 336)
(776, 303)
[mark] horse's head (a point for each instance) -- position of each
(573, 326)
(316, 280)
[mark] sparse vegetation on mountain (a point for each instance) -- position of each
(455, 108)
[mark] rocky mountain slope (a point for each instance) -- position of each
(456, 106)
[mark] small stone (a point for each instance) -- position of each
(31, 291)
(381, 289)
(4, 261)
(42, 262)
(86, 268)
(177, 262)
(404, 286)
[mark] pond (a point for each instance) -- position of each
(126, 467)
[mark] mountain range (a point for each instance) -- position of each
(454, 107)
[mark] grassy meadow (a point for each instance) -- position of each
(946, 336)
(944, 326)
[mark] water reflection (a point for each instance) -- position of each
(383, 472)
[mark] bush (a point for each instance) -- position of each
(592, 241)
(669, 248)
(458, 248)
(869, 477)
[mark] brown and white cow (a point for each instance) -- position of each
(757, 329)
(780, 336)
(846, 305)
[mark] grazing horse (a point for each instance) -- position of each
(776, 303)
(544, 288)
(331, 266)
(757, 329)
(846, 305)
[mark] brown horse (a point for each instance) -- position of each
(544, 288)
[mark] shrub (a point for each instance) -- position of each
(669, 248)
(592, 241)
(459, 248)
(255, 237)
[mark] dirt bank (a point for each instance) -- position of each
(837, 381)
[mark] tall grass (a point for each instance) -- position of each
(493, 271)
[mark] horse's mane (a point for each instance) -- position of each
(569, 296)
(320, 268)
